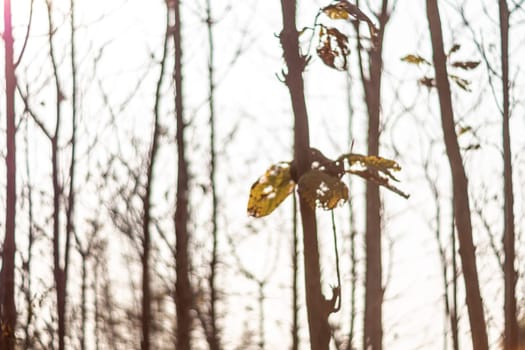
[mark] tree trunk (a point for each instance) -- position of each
(318, 308)
(213, 332)
(510, 338)
(146, 317)
(7, 283)
(83, 302)
(460, 185)
(295, 273)
(373, 329)
(183, 293)
(58, 270)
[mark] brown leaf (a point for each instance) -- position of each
(467, 65)
(319, 188)
(333, 45)
(345, 10)
(428, 82)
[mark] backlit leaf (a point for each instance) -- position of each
(336, 11)
(467, 65)
(345, 10)
(415, 59)
(333, 48)
(373, 168)
(319, 188)
(270, 190)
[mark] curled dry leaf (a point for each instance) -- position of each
(333, 48)
(318, 188)
(373, 168)
(270, 190)
(343, 9)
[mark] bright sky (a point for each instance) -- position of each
(252, 101)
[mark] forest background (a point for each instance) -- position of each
(102, 91)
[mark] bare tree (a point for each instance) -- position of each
(318, 308)
(183, 292)
(373, 329)
(7, 278)
(459, 182)
(510, 338)
(213, 335)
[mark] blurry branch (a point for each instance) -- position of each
(478, 210)
(261, 283)
(26, 38)
(30, 111)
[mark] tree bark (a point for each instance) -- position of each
(7, 283)
(373, 329)
(183, 293)
(510, 338)
(460, 185)
(318, 308)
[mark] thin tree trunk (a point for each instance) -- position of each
(28, 341)
(318, 308)
(183, 293)
(213, 336)
(353, 259)
(373, 329)
(7, 283)
(510, 341)
(83, 302)
(460, 185)
(70, 211)
(295, 275)
(58, 271)
(147, 317)
(454, 312)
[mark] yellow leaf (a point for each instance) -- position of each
(270, 190)
(415, 59)
(336, 11)
(373, 168)
(319, 188)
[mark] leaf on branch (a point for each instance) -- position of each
(428, 82)
(343, 9)
(332, 45)
(453, 49)
(415, 59)
(319, 161)
(466, 65)
(270, 190)
(462, 83)
(336, 11)
(472, 147)
(464, 129)
(319, 188)
(375, 169)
